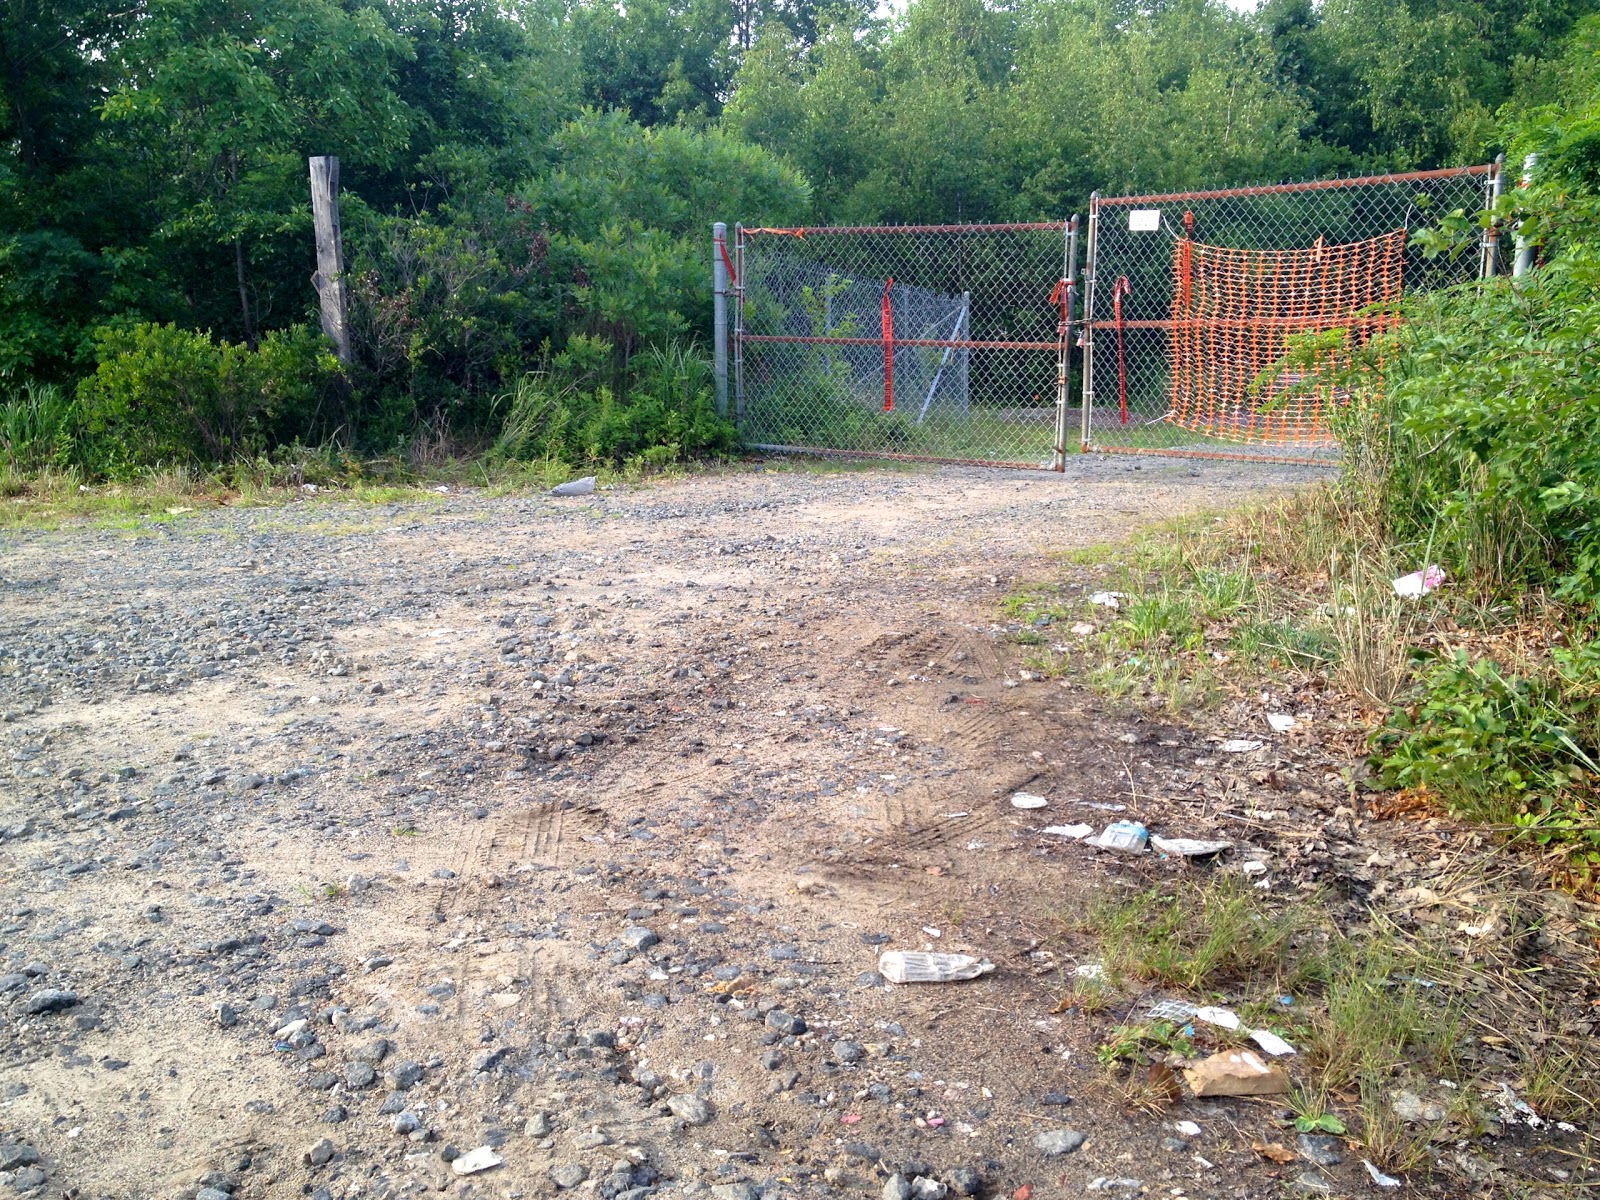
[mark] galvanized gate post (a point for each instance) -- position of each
(719, 313)
(1088, 315)
(1069, 289)
(1523, 263)
(1489, 266)
(738, 325)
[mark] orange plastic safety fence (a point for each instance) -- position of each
(1263, 343)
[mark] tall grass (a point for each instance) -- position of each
(35, 427)
(578, 407)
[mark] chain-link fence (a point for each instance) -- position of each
(929, 342)
(1230, 323)
(1237, 322)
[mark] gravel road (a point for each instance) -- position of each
(509, 846)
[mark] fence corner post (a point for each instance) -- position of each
(1068, 293)
(1523, 263)
(1091, 263)
(719, 313)
(1490, 265)
(328, 280)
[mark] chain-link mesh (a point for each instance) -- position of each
(1226, 323)
(937, 342)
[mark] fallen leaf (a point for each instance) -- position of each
(1162, 1078)
(1025, 1192)
(1281, 1155)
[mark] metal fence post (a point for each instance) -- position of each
(719, 313)
(1069, 297)
(1088, 315)
(1523, 263)
(738, 325)
(1490, 265)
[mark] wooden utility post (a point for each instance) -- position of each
(329, 277)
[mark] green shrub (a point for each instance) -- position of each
(1512, 747)
(578, 408)
(164, 396)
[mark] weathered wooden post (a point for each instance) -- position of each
(329, 276)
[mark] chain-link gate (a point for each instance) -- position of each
(936, 342)
(1234, 323)
(1221, 324)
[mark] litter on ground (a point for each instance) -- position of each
(912, 966)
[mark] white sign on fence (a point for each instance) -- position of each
(1144, 220)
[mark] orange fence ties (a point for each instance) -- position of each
(886, 310)
(794, 233)
(1118, 290)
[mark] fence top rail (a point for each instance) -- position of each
(1311, 185)
(1013, 227)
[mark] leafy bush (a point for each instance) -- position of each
(1486, 444)
(164, 396)
(1485, 454)
(451, 303)
(1517, 747)
(660, 410)
(1491, 427)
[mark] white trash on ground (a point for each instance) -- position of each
(1028, 800)
(575, 487)
(1069, 831)
(1378, 1177)
(477, 1160)
(1169, 1010)
(912, 966)
(1226, 1018)
(1107, 599)
(1280, 722)
(1129, 837)
(1188, 847)
(1239, 745)
(1419, 583)
(1270, 1042)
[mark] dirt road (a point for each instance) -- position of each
(341, 839)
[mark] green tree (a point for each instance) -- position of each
(219, 102)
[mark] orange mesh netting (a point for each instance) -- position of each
(1263, 341)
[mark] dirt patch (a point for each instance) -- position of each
(503, 822)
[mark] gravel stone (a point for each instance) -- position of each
(17, 1155)
(638, 938)
(783, 1023)
(49, 1000)
(849, 1052)
(1059, 1141)
(319, 1154)
(689, 1108)
(568, 1175)
(965, 1181)
(403, 1075)
(1320, 1148)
